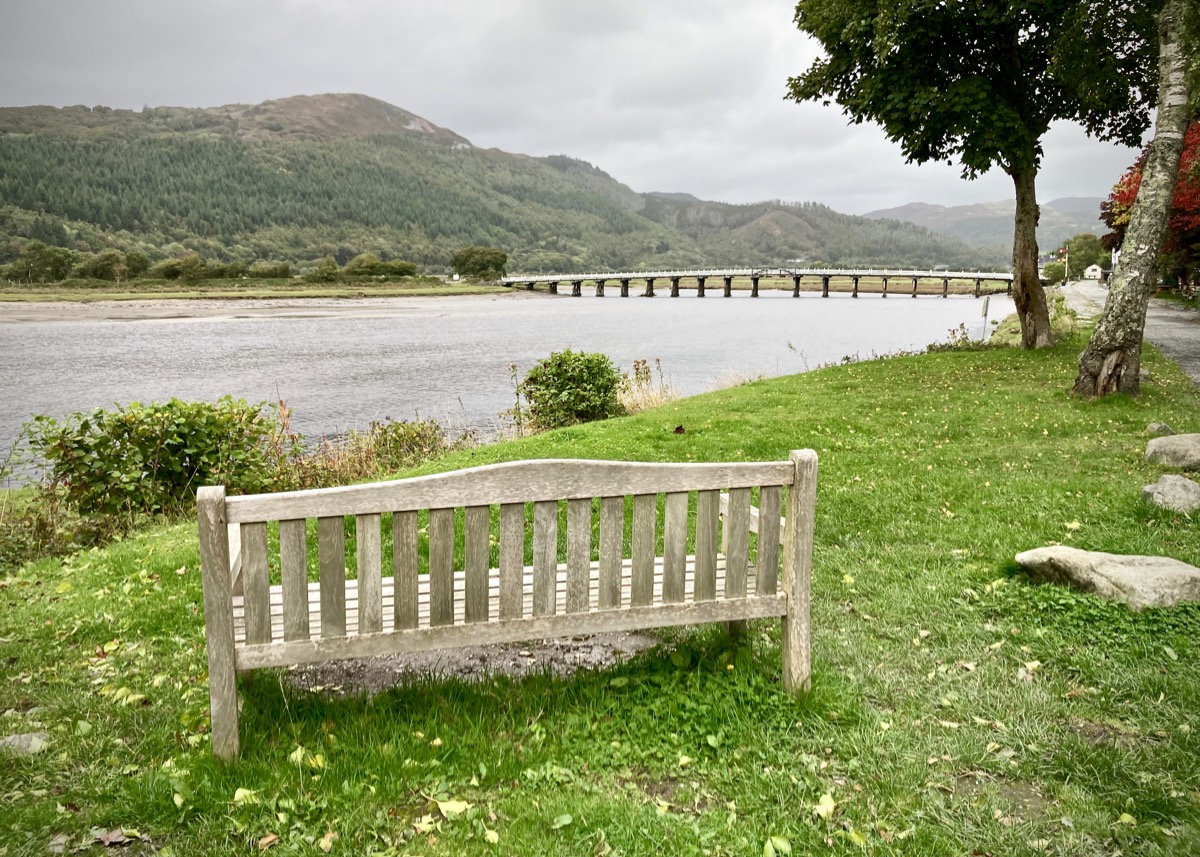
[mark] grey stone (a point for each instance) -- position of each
(1176, 493)
(28, 743)
(1159, 429)
(1139, 581)
(1177, 450)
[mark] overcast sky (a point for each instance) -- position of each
(664, 95)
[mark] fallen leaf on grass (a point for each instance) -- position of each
(267, 841)
(326, 843)
(451, 808)
(825, 806)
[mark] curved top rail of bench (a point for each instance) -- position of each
(511, 482)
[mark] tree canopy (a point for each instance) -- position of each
(980, 81)
(484, 263)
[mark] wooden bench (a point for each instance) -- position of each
(274, 600)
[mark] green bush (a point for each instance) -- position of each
(570, 387)
(271, 270)
(150, 459)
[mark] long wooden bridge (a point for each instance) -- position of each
(911, 279)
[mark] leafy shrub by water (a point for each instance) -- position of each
(150, 459)
(571, 387)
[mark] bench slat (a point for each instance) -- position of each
(707, 521)
(331, 559)
(512, 560)
(579, 553)
(405, 544)
(737, 542)
(645, 510)
(478, 522)
(293, 564)
(767, 561)
(612, 534)
(545, 556)
(512, 482)
(369, 555)
(256, 582)
(487, 633)
(675, 532)
(441, 566)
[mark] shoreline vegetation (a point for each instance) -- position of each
(956, 707)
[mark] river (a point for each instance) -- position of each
(343, 364)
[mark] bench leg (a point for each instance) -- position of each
(737, 631)
(218, 620)
(797, 572)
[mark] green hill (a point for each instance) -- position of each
(300, 178)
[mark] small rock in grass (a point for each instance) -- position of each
(1139, 581)
(1178, 450)
(1175, 493)
(27, 743)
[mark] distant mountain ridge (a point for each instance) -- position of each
(299, 178)
(991, 223)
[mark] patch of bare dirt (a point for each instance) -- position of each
(1023, 801)
(559, 657)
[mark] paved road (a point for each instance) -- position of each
(1175, 330)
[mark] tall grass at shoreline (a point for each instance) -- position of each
(957, 708)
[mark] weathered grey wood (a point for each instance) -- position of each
(478, 529)
(612, 537)
(545, 556)
(293, 568)
(645, 510)
(487, 633)
(235, 556)
(767, 562)
(797, 571)
(736, 539)
(294, 579)
(753, 513)
(369, 559)
(512, 560)
(579, 553)
(218, 620)
(441, 566)
(405, 565)
(675, 521)
(257, 582)
(331, 558)
(511, 482)
(707, 520)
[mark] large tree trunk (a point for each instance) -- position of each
(1113, 356)
(1028, 294)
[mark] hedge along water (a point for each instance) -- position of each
(342, 366)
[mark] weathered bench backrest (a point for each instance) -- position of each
(643, 564)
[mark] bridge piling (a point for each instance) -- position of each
(825, 286)
(728, 286)
(675, 287)
(576, 288)
(885, 279)
(649, 293)
(553, 288)
(976, 287)
(529, 287)
(914, 294)
(700, 286)
(854, 291)
(754, 286)
(600, 288)
(624, 287)
(945, 286)
(795, 285)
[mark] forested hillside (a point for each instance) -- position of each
(299, 179)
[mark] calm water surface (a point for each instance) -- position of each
(445, 358)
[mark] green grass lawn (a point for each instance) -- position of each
(956, 708)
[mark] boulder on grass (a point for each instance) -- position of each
(1177, 450)
(1139, 581)
(1175, 493)
(1159, 429)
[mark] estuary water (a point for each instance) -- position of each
(342, 364)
